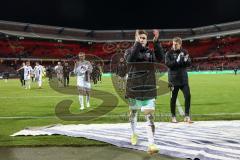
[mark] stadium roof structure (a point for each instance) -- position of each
(8, 28)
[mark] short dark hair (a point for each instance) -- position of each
(142, 32)
(81, 53)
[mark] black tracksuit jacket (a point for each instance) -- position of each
(141, 81)
(177, 73)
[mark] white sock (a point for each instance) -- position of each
(39, 83)
(88, 100)
(123, 85)
(81, 101)
(133, 121)
(28, 84)
(150, 127)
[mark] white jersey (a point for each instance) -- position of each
(38, 71)
(59, 69)
(27, 72)
(83, 70)
(82, 67)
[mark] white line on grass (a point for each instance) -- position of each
(108, 116)
(180, 109)
(25, 97)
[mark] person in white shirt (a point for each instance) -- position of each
(83, 69)
(27, 74)
(38, 72)
(59, 72)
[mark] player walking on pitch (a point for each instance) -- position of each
(38, 71)
(141, 89)
(27, 74)
(82, 69)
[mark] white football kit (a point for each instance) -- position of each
(38, 71)
(83, 70)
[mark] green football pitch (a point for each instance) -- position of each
(214, 97)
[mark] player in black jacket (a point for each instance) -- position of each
(141, 89)
(21, 75)
(66, 74)
(177, 60)
(121, 72)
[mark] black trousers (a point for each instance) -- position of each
(100, 77)
(66, 81)
(22, 80)
(95, 80)
(187, 96)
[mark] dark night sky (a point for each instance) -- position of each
(121, 14)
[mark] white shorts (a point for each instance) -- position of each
(27, 77)
(82, 83)
(60, 77)
(38, 78)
